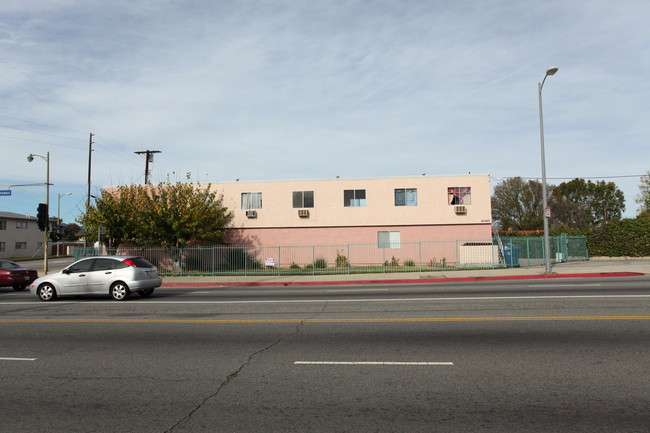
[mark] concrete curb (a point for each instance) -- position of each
(402, 281)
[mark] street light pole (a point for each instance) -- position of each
(58, 213)
(46, 236)
(58, 218)
(546, 210)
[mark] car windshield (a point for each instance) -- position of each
(9, 265)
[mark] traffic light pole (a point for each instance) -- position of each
(47, 226)
(46, 221)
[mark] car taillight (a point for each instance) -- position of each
(129, 262)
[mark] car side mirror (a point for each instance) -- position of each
(66, 271)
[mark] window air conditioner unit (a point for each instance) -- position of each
(303, 213)
(251, 214)
(460, 209)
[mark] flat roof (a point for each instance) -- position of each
(336, 178)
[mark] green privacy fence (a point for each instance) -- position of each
(355, 258)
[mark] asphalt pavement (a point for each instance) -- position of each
(595, 267)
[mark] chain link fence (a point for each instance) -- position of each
(425, 256)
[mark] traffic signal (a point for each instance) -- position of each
(42, 216)
(55, 237)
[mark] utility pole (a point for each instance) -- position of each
(149, 158)
(90, 153)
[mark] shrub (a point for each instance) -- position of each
(409, 262)
(239, 258)
(628, 237)
(194, 263)
(320, 263)
(341, 260)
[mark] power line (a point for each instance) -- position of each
(35, 132)
(66, 111)
(40, 142)
(38, 124)
(578, 177)
(69, 105)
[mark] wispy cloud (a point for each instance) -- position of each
(282, 89)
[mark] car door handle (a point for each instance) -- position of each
(82, 275)
(109, 272)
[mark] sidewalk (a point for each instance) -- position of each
(596, 267)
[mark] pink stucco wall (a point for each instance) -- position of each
(432, 209)
(420, 245)
(356, 235)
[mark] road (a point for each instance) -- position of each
(568, 355)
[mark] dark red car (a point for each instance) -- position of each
(14, 275)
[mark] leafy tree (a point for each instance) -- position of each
(517, 204)
(71, 232)
(644, 215)
(581, 204)
(168, 215)
(644, 193)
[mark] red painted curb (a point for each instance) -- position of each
(404, 281)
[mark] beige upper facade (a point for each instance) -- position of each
(19, 236)
(363, 202)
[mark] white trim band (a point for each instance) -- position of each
(18, 359)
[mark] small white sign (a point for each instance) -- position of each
(547, 212)
(269, 262)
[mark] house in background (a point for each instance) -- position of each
(386, 212)
(19, 236)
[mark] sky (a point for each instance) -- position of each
(290, 89)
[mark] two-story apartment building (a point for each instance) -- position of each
(387, 210)
(19, 236)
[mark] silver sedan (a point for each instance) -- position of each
(117, 276)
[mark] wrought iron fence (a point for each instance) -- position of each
(425, 256)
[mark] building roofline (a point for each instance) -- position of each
(16, 216)
(334, 179)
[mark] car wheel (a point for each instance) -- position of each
(120, 291)
(19, 287)
(46, 292)
(146, 292)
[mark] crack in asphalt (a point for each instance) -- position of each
(233, 375)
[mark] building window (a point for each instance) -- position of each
(354, 197)
(21, 224)
(2, 246)
(459, 195)
(251, 200)
(3, 225)
(21, 245)
(388, 239)
(303, 199)
(406, 197)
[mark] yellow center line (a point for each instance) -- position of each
(384, 320)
